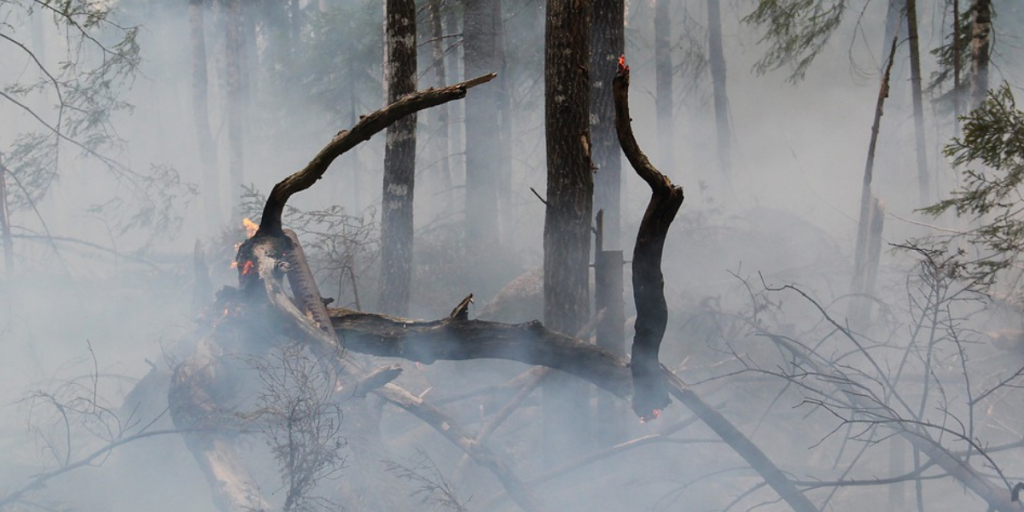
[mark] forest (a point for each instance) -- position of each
(511, 255)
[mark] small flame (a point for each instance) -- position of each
(250, 227)
(248, 268)
(623, 68)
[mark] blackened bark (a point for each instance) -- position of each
(233, 64)
(716, 63)
(607, 43)
(482, 136)
(981, 31)
(663, 80)
(569, 204)
(915, 83)
(399, 162)
(649, 392)
(201, 114)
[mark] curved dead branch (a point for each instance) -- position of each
(345, 140)
(650, 395)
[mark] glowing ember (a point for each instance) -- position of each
(249, 267)
(654, 415)
(623, 68)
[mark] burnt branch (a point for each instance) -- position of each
(459, 338)
(650, 395)
(345, 140)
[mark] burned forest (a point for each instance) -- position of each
(511, 255)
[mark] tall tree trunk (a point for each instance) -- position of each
(506, 217)
(663, 80)
(611, 335)
(956, 67)
(444, 152)
(456, 112)
(716, 63)
(981, 30)
(233, 70)
(607, 43)
(5, 224)
(201, 114)
(568, 214)
(482, 140)
(399, 162)
(915, 84)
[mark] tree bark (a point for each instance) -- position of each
(956, 67)
(663, 80)
(482, 141)
(503, 104)
(399, 163)
(608, 42)
(716, 63)
(915, 84)
(567, 217)
(201, 114)
(649, 392)
(981, 30)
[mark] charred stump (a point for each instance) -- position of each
(649, 393)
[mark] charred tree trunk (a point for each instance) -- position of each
(915, 84)
(663, 80)
(860, 257)
(607, 43)
(201, 114)
(399, 163)
(233, 71)
(444, 152)
(482, 141)
(650, 395)
(716, 63)
(981, 30)
(567, 217)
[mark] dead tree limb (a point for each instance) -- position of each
(649, 395)
(345, 140)
(326, 345)
(459, 338)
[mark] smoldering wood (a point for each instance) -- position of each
(648, 281)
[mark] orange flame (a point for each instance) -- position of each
(250, 227)
(623, 68)
(248, 268)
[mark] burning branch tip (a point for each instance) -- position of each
(623, 69)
